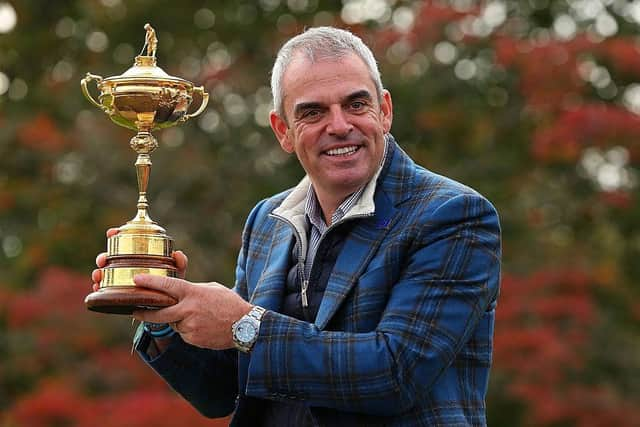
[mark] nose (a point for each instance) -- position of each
(339, 124)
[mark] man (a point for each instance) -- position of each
(363, 296)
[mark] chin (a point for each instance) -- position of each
(348, 184)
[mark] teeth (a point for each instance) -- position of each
(342, 151)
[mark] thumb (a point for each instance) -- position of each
(171, 286)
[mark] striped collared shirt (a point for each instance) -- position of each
(318, 226)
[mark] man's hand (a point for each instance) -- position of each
(204, 313)
(101, 260)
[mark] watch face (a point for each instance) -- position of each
(246, 331)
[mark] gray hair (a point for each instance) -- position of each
(320, 43)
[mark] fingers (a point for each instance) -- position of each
(181, 262)
(101, 260)
(171, 315)
(171, 286)
(96, 275)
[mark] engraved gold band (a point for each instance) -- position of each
(132, 244)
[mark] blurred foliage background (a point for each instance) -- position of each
(534, 103)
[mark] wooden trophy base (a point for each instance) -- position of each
(125, 300)
(118, 293)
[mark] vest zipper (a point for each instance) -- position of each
(305, 300)
(304, 282)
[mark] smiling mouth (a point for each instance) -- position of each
(343, 151)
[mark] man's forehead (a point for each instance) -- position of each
(311, 75)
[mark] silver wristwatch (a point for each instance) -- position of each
(245, 331)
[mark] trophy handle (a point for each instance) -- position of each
(83, 84)
(203, 104)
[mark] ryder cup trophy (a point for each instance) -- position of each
(143, 99)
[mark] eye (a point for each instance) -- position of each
(311, 115)
(357, 106)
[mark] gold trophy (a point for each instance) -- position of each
(144, 98)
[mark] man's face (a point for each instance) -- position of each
(334, 122)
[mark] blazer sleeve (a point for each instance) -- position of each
(208, 379)
(205, 378)
(449, 280)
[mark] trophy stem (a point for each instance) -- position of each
(143, 144)
(143, 170)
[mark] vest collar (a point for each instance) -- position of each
(292, 207)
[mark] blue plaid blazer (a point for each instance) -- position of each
(404, 333)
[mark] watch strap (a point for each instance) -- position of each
(257, 312)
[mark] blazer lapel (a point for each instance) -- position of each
(360, 246)
(365, 238)
(269, 288)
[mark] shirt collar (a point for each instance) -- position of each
(312, 209)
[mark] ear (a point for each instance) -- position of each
(281, 130)
(386, 106)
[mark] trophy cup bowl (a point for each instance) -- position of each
(144, 98)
